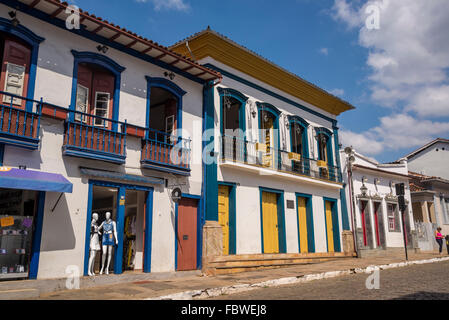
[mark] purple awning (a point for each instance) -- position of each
(12, 178)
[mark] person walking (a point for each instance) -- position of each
(439, 238)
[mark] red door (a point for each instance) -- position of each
(187, 234)
(15, 71)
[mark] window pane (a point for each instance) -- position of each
(82, 94)
(101, 107)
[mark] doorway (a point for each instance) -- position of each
(332, 225)
(187, 234)
(131, 209)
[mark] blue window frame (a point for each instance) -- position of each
(31, 39)
(171, 87)
(102, 61)
(238, 97)
(328, 136)
(298, 122)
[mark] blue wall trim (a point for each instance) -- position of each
(148, 231)
(171, 87)
(33, 40)
(105, 62)
(232, 92)
(37, 236)
(269, 92)
(310, 228)
(2, 153)
(98, 39)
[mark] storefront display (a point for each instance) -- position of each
(17, 211)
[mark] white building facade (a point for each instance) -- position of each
(372, 201)
(96, 120)
(276, 181)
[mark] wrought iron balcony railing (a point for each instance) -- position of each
(166, 152)
(239, 150)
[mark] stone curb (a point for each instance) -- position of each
(215, 292)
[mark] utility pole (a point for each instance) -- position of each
(400, 192)
(349, 160)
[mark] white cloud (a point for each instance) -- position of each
(324, 51)
(179, 5)
(408, 59)
(337, 92)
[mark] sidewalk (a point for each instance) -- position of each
(185, 285)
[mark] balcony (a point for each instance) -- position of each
(239, 151)
(165, 152)
(19, 121)
(93, 137)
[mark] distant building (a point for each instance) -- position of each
(431, 159)
(374, 204)
(430, 201)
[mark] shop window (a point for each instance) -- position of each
(16, 61)
(17, 214)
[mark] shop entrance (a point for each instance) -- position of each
(130, 242)
(18, 212)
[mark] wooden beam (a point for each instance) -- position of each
(129, 45)
(34, 3)
(200, 74)
(56, 12)
(188, 68)
(115, 36)
(98, 29)
(146, 50)
(174, 62)
(161, 56)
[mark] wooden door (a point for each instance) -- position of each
(270, 223)
(187, 234)
(329, 227)
(15, 71)
(223, 215)
(376, 222)
(302, 223)
(363, 218)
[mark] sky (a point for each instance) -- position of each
(388, 58)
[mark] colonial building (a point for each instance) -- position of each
(96, 120)
(431, 159)
(430, 200)
(274, 194)
(372, 201)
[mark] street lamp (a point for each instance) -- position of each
(350, 159)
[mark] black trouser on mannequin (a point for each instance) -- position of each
(440, 243)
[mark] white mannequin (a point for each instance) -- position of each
(109, 238)
(94, 243)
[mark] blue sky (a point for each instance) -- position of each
(395, 75)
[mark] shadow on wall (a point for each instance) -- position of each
(59, 234)
(423, 295)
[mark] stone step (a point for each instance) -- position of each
(279, 256)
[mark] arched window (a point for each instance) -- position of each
(232, 111)
(96, 89)
(269, 134)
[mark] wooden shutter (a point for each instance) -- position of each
(15, 71)
(84, 80)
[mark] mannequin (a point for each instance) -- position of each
(94, 243)
(108, 241)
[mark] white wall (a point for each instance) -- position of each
(432, 162)
(63, 235)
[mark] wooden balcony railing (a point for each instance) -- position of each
(93, 137)
(166, 152)
(19, 120)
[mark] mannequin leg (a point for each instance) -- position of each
(103, 258)
(109, 258)
(91, 271)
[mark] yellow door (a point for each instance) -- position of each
(270, 223)
(268, 158)
(223, 215)
(330, 232)
(302, 218)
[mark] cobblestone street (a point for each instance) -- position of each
(428, 281)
